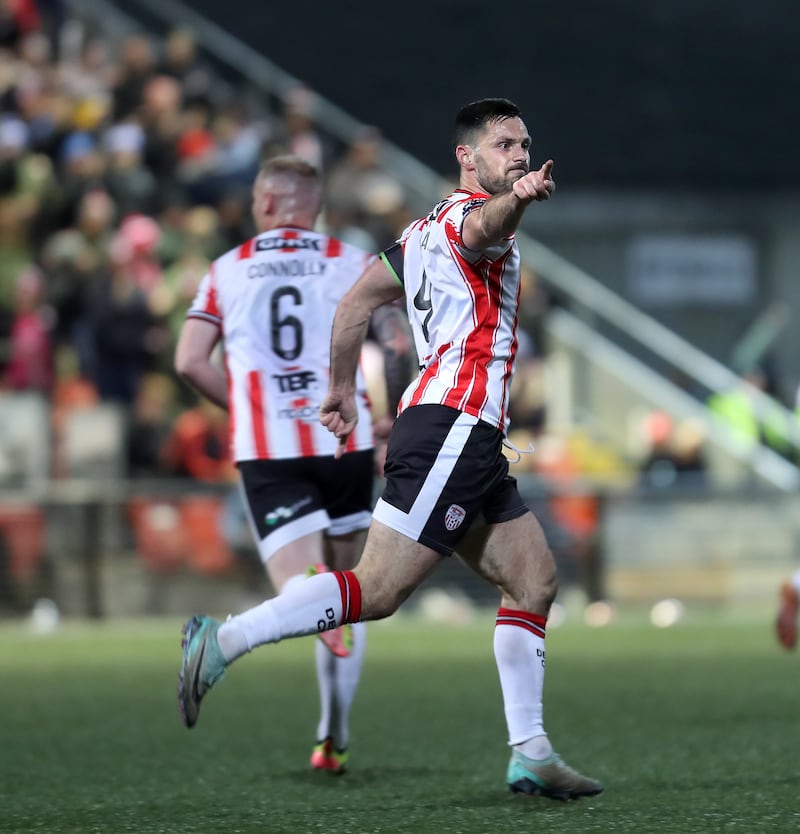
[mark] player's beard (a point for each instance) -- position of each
(494, 183)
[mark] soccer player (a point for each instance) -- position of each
(788, 605)
(271, 302)
(447, 482)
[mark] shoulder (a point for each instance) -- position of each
(464, 203)
(241, 252)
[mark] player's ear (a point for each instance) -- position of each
(464, 155)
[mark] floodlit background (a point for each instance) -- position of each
(659, 340)
(657, 380)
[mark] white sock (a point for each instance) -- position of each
(520, 656)
(338, 679)
(304, 607)
(537, 748)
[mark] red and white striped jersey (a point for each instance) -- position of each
(462, 306)
(274, 298)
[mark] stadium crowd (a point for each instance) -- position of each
(125, 169)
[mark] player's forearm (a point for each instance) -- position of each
(349, 331)
(207, 379)
(499, 218)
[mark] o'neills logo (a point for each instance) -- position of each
(454, 516)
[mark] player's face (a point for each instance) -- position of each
(502, 154)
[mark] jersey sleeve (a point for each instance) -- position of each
(461, 210)
(456, 217)
(206, 302)
(393, 259)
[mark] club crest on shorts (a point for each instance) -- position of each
(454, 516)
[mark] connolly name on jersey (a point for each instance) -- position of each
(273, 299)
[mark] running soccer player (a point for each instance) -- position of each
(447, 482)
(271, 302)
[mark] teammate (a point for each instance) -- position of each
(271, 302)
(447, 483)
(788, 606)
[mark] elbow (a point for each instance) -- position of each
(182, 366)
(186, 368)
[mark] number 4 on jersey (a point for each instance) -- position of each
(422, 302)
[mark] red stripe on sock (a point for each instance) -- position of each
(343, 590)
(522, 619)
(351, 614)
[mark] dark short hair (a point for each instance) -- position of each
(473, 117)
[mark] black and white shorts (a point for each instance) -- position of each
(444, 469)
(288, 499)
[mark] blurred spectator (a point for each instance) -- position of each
(237, 150)
(18, 204)
(16, 18)
(162, 119)
(568, 507)
(175, 293)
(359, 188)
(674, 454)
(81, 169)
(129, 181)
(658, 467)
(150, 426)
(751, 422)
(196, 154)
(235, 222)
(182, 63)
(136, 245)
(52, 14)
(136, 68)
(73, 391)
(198, 446)
(87, 74)
(170, 217)
(49, 112)
(72, 260)
(34, 48)
(30, 365)
(689, 449)
(534, 305)
(125, 334)
(340, 224)
(189, 230)
(302, 137)
(527, 407)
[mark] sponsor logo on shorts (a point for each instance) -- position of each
(284, 513)
(454, 516)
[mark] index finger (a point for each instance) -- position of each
(547, 169)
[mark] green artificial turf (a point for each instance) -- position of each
(692, 729)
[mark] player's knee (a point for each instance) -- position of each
(548, 591)
(537, 589)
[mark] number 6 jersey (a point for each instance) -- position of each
(274, 298)
(463, 307)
